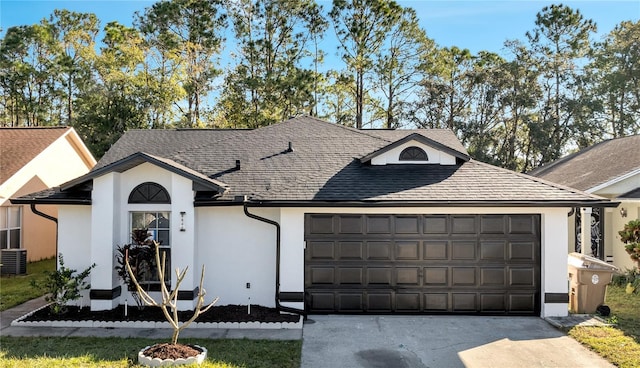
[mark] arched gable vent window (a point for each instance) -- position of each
(413, 153)
(149, 193)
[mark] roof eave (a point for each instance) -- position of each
(372, 203)
(56, 201)
(613, 181)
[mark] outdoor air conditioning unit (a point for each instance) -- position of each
(14, 261)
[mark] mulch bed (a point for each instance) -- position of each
(166, 351)
(225, 313)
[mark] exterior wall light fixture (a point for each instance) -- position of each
(182, 213)
(623, 212)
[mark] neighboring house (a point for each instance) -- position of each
(311, 216)
(609, 169)
(33, 159)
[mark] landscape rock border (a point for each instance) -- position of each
(19, 322)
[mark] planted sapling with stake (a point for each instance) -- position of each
(169, 302)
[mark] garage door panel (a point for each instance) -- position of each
(380, 302)
(321, 249)
(493, 277)
(522, 277)
(436, 250)
(407, 250)
(463, 276)
(463, 224)
(378, 224)
(322, 302)
(493, 250)
(522, 224)
(350, 275)
(379, 275)
(407, 225)
(322, 275)
(523, 303)
(492, 224)
(464, 302)
(436, 276)
(463, 250)
(522, 251)
(351, 250)
(468, 264)
(320, 224)
(350, 302)
(379, 250)
(408, 276)
(350, 224)
(436, 224)
(492, 303)
(436, 302)
(408, 302)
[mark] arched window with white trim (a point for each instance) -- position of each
(413, 153)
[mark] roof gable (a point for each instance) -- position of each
(47, 156)
(200, 181)
(390, 154)
(18, 146)
(597, 167)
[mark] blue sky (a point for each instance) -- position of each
(473, 24)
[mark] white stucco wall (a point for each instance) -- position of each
(110, 221)
(74, 240)
(614, 222)
(182, 242)
(105, 225)
(554, 278)
(237, 250)
(435, 156)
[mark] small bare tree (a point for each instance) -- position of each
(169, 303)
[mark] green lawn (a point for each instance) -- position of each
(118, 352)
(16, 289)
(621, 344)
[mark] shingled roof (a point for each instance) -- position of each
(308, 161)
(596, 165)
(18, 146)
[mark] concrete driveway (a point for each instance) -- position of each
(439, 341)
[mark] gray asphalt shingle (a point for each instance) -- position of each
(324, 166)
(595, 165)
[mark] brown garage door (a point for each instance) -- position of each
(488, 264)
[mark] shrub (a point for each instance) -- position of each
(630, 236)
(627, 276)
(63, 285)
(141, 257)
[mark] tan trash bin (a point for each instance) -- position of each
(589, 278)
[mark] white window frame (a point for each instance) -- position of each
(6, 229)
(154, 233)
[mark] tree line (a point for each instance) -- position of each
(251, 63)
